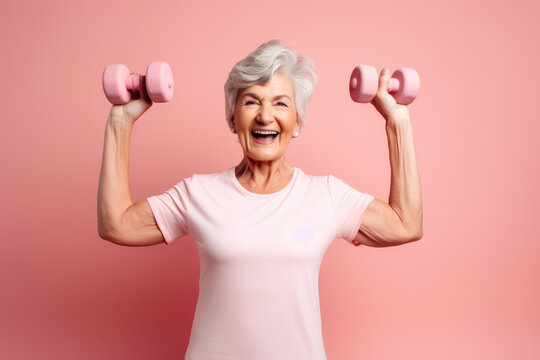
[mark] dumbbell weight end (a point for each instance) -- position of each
(408, 85)
(363, 83)
(159, 81)
(113, 80)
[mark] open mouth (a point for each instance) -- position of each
(264, 137)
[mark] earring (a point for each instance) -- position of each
(295, 134)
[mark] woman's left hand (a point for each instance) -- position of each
(386, 105)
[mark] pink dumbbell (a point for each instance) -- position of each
(403, 85)
(117, 82)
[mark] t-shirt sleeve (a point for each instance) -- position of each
(349, 206)
(170, 210)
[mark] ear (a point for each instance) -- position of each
(297, 127)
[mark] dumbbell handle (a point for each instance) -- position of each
(393, 85)
(133, 82)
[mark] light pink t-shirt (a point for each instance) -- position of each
(260, 256)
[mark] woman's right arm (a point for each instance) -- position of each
(119, 219)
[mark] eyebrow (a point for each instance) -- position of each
(256, 97)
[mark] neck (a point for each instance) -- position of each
(263, 170)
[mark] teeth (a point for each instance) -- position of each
(265, 132)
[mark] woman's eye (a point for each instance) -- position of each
(249, 102)
(282, 103)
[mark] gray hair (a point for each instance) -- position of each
(259, 66)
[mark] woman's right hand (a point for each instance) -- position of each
(133, 109)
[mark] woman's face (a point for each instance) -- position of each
(267, 106)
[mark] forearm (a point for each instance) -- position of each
(405, 189)
(113, 190)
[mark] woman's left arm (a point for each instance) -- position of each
(405, 189)
(399, 221)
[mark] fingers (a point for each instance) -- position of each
(144, 93)
(383, 101)
(384, 79)
(382, 90)
(137, 105)
(143, 101)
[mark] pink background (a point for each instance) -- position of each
(468, 290)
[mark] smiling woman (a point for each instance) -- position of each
(269, 90)
(259, 67)
(261, 227)
(265, 119)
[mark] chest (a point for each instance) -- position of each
(235, 228)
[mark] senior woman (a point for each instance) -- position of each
(261, 227)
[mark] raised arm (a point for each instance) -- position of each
(399, 221)
(119, 219)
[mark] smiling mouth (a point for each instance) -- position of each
(264, 138)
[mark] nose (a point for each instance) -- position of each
(265, 114)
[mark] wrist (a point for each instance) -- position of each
(119, 122)
(397, 123)
(119, 128)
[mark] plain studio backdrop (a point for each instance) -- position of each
(469, 289)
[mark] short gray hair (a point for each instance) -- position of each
(259, 66)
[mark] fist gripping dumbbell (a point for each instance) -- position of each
(403, 85)
(117, 82)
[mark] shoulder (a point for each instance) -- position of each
(304, 179)
(322, 186)
(209, 181)
(208, 177)
(327, 178)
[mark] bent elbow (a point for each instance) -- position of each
(106, 231)
(105, 236)
(416, 236)
(408, 237)
(108, 235)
